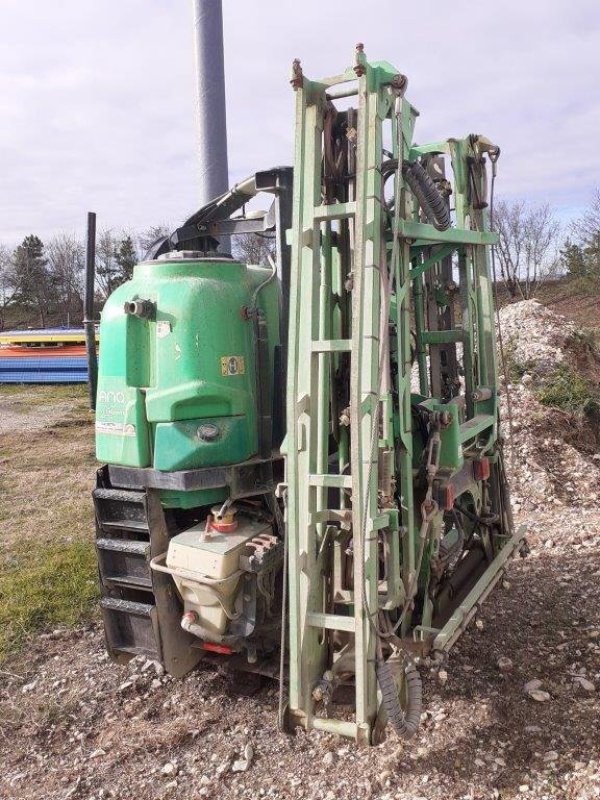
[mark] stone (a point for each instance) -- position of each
(242, 764)
(530, 686)
(539, 696)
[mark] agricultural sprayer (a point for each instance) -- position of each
(304, 471)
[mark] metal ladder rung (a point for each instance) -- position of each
(449, 336)
(335, 211)
(332, 345)
(332, 622)
(331, 481)
(475, 426)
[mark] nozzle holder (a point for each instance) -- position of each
(140, 308)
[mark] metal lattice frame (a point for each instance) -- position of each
(336, 316)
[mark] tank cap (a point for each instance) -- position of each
(222, 518)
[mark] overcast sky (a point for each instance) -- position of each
(97, 113)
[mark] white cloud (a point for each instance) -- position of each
(96, 96)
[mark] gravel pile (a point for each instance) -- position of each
(545, 468)
(535, 335)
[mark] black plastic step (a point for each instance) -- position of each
(130, 627)
(125, 563)
(118, 509)
(141, 609)
(130, 582)
(127, 606)
(127, 525)
(124, 546)
(119, 495)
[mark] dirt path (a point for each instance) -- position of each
(76, 725)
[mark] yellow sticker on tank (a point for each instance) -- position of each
(232, 365)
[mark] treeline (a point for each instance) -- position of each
(42, 283)
(533, 246)
(581, 253)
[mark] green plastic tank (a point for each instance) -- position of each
(177, 380)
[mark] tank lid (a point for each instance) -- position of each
(194, 255)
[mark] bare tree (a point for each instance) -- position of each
(8, 287)
(151, 235)
(65, 256)
(587, 231)
(588, 227)
(526, 249)
(254, 248)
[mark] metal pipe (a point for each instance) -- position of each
(89, 323)
(210, 99)
(461, 616)
(343, 91)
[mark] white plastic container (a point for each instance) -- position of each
(206, 571)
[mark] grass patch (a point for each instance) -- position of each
(567, 389)
(41, 394)
(48, 573)
(48, 584)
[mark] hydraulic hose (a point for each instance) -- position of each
(424, 189)
(427, 194)
(405, 723)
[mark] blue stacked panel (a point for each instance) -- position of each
(71, 369)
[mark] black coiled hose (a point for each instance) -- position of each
(405, 723)
(428, 195)
(424, 189)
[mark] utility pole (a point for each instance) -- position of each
(210, 99)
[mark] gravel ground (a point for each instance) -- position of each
(513, 713)
(17, 413)
(76, 725)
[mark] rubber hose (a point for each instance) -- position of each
(427, 193)
(405, 723)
